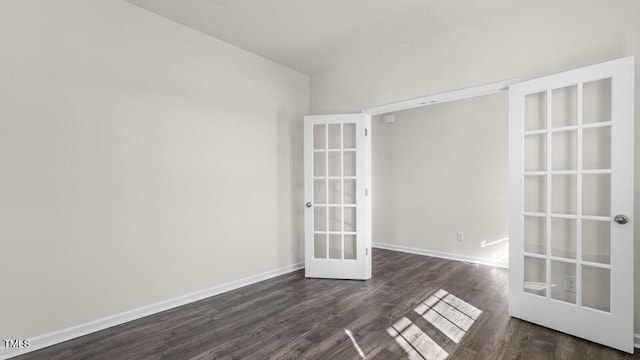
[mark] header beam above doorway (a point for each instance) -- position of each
(453, 95)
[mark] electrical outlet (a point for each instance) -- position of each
(460, 236)
(570, 284)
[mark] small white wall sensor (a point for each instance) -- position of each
(389, 118)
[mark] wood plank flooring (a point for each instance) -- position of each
(415, 307)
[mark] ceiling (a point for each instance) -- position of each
(314, 35)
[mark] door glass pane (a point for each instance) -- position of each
(564, 194)
(334, 136)
(535, 195)
(535, 276)
(349, 191)
(596, 194)
(350, 219)
(535, 107)
(349, 136)
(335, 193)
(319, 164)
(335, 219)
(334, 163)
(596, 288)
(564, 106)
(319, 139)
(535, 150)
(350, 247)
(563, 275)
(596, 103)
(320, 246)
(563, 238)
(596, 148)
(596, 241)
(319, 191)
(335, 246)
(334, 198)
(535, 229)
(564, 150)
(319, 218)
(349, 163)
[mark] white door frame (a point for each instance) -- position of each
(443, 97)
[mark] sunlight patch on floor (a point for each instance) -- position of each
(415, 342)
(355, 343)
(449, 314)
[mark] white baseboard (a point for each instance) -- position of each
(636, 340)
(57, 337)
(443, 255)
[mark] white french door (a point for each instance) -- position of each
(337, 196)
(571, 202)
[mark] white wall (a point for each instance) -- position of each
(442, 169)
(542, 38)
(139, 160)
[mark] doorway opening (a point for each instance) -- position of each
(440, 175)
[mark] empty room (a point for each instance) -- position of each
(341, 179)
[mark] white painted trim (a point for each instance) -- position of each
(443, 255)
(459, 94)
(56, 337)
(636, 340)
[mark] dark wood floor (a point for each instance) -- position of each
(290, 317)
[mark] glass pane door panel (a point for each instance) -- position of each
(596, 148)
(564, 106)
(320, 191)
(564, 194)
(320, 246)
(334, 163)
(563, 238)
(564, 150)
(535, 230)
(596, 101)
(335, 218)
(320, 218)
(335, 246)
(535, 152)
(319, 164)
(596, 241)
(535, 195)
(535, 276)
(570, 258)
(596, 288)
(335, 191)
(349, 191)
(319, 136)
(596, 194)
(535, 106)
(349, 163)
(562, 274)
(350, 247)
(335, 199)
(334, 136)
(350, 219)
(349, 136)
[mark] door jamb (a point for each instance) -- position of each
(439, 98)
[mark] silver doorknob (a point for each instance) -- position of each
(621, 219)
(309, 204)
